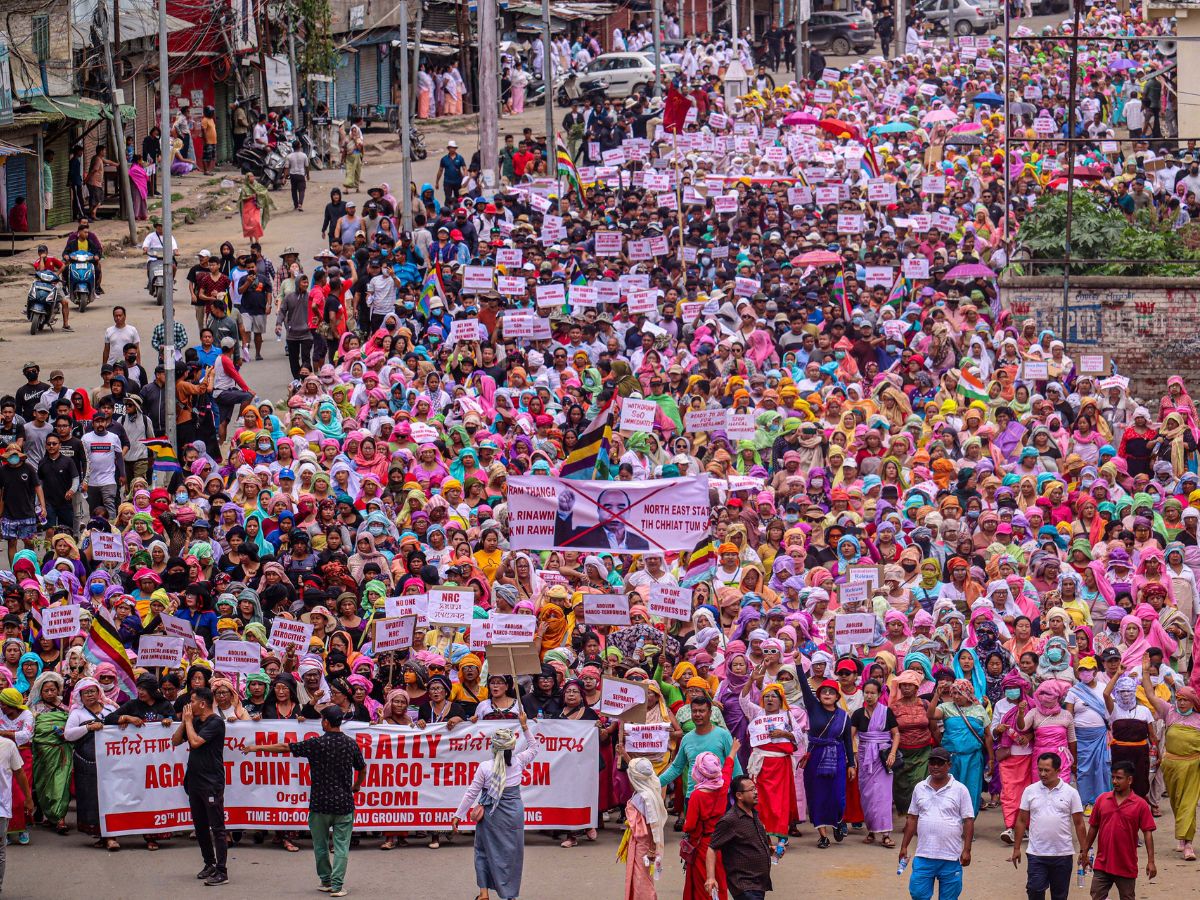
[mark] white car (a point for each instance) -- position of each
(626, 73)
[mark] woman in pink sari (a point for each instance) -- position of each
(1053, 727)
(139, 178)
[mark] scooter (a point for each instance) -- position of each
(81, 278)
(416, 144)
(41, 304)
(569, 88)
(267, 164)
(155, 283)
(309, 148)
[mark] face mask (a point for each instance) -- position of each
(181, 497)
(791, 518)
(13, 459)
(96, 588)
(841, 354)
(1087, 676)
(1012, 694)
(1054, 654)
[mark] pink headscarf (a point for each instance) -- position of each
(708, 772)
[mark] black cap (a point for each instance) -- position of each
(1110, 653)
(940, 753)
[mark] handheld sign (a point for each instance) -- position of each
(155, 651)
(854, 592)
(107, 547)
(451, 607)
(177, 627)
(1035, 370)
(638, 415)
(513, 659)
(508, 628)
(761, 728)
(61, 622)
(651, 740)
(236, 656)
(394, 634)
(606, 609)
(287, 633)
(621, 699)
(853, 628)
(670, 602)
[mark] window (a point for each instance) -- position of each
(40, 31)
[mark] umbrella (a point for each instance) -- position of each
(940, 115)
(989, 97)
(1121, 65)
(967, 128)
(799, 117)
(892, 128)
(971, 270)
(1082, 173)
(965, 140)
(837, 127)
(817, 258)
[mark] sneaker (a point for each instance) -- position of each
(67, 328)
(1007, 836)
(23, 838)
(217, 879)
(325, 888)
(340, 892)
(207, 872)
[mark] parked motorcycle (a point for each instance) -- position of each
(267, 164)
(41, 303)
(416, 143)
(569, 89)
(310, 149)
(81, 278)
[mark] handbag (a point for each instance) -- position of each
(883, 756)
(687, 850)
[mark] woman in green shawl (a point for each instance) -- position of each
(51, 751)
(256, 204)
(328, 420)
(626, 384)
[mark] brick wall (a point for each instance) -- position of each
(1149, 325)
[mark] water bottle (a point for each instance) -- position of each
(1079, 875)
(780, 849)
(903, 865)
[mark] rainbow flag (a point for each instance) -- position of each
(839, 293)
(971, 387)
(899, 293)
(566, 165)
(701, 564)
(590, 457)
(104, 646)
(431, 287)
(165, 458)
(868, 163)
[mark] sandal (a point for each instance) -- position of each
(823, 843)
(887, 841)
(434, 844)
(389, 844)
(1189, 854)
(570, 842)
(869, 839)
(62, 828)
(290, 847)
(98, 843)
(151, 845)
(111, 845)
(590, 834)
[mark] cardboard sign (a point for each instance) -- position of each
(869, 575)
(933, 184)
(1093, 364)
(621, 699)
(465, 329)
(394, 634)
(551, 295)
(880, 275)
(850, 223)
(510, 256)
(606, 609)
(513, 659)
(155, 651)
(638, 415)
(583, 295)
(177, 627)
(510, 285)
(649, 740)
(704, 419)
(290, 633)
(107, 547)
(642, 302)
(478, 278)
(740, 426)
(858, 592)
(479, 635)
(1035, 370)
(407, 605)
(761, 728)
(915, 267)
(608, 243)
(236, 656)
(61, 622)
(451, 607)
(670, 602)
(853, 628)
(509, 628)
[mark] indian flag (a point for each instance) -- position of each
(971, 387)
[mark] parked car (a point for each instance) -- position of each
(970, 16)
(626, 73)
(841, 33)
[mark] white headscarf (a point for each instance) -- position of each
(648, 796)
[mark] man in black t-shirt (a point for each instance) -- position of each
(20, 497)
(204, 781)
(31, 391)
(337, 767)
(60, 477)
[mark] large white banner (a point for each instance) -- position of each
(622, 516)
(415, 777)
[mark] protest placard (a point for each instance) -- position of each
(606, 609)
(853, 628)
(509, 628)
(1035, 370)
(638, 415)
(670, 602)
(513, 659)
(621, 699)
(290, 633)
(237, 656)
(854, 592)
(704, 419)
(155, 650)
(60, 622)
(477, 279)
(760, 728)
(177, 627)
(448, 606)
(1093, 363)
(651, 739)
(464, 330)
(394, 634)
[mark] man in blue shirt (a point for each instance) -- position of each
(450, 170)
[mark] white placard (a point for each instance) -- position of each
(290, 633)
(155, 651)
(107, 547)
(704, 419)
(407, 605)
(510, 285)
(60, 622)
(740, 426)
(761, 728)
(853, 628)
(915, 267)
(618, 696)
(653, 739)
(638, 415)
(581, 296)
(933, 184)
(606, 609)
(177, 627)
(237, 656)
(670, 602)
(608, 243)
(643, 301)
(512, 628)
(394, 634)
(464, 329)
(510, 256)
(450, 606)
(477, 279)
(551, 295)
(854, 592)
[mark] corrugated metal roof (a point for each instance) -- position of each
(7, 149)
(84, 109)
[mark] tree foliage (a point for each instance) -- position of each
(1100, 232)
(317, 55)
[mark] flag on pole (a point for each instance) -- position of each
(431, 287)
(566, 165)
(971, 387)
(104, 646)
(868, 163)
(590, 458)
(839, 294)
(165, 457)
(899, 293)
(701, 564)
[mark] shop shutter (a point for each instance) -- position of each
(368, 75)
(14, 182)
(61, 213)
(346, 85)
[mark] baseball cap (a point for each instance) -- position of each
(453, 144)
(936, 753)
(228, 343)
(204, 254)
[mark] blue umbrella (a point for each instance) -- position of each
(989, 97)
(892, 128)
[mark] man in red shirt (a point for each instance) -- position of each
(522, 158)
(47, 263)
(1116, 819)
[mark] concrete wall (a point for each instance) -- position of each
(1149, 325)
(17, 20)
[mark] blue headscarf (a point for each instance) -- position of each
(22, 683)
(978, 675)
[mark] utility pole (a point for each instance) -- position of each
(164, 105)
(548, 79)
(658, 60)
(118, 132)
(902, 29)
(803, 12)
(294, 71)
(406, 213)
(416, 55)
(733, 27)
(489, 90)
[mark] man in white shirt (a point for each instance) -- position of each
(381, 292)
(11, 767)
(943, 809)
(105, 464)
(1050, 808)
(117, 335)
(154, 241)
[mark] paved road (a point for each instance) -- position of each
(56, 867)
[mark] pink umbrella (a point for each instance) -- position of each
(967, 128)
(800, 118)
(971, 270)
(940, 115)
(817, 258)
